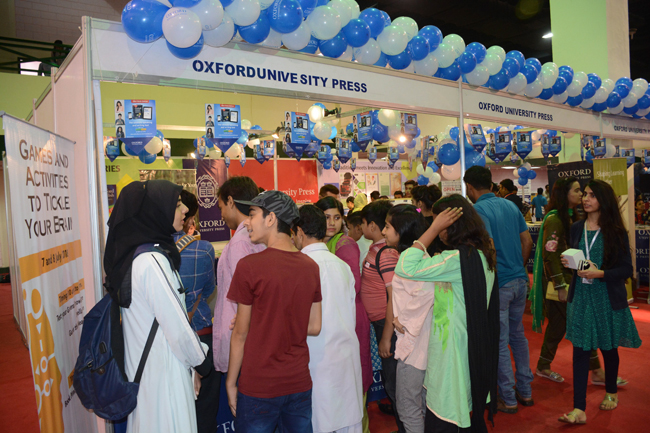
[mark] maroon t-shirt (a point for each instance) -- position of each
(281, 287)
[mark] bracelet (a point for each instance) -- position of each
(421, 244)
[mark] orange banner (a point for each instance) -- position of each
(44, 261)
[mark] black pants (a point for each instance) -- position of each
(581, 374)
(389, 370)
(207, 404)
(555, 331)
(433, 424)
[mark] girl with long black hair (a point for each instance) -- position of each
(598, 316)
(463, 345)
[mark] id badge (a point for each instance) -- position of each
(587, 281)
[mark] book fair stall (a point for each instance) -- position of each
(297, 94)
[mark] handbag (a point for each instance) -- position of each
(551, 293)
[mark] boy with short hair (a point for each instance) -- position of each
(355, 231)
(279, 304)
(376, 292)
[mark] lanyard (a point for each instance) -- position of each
(587, 246)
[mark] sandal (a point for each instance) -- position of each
(601, 382)
(572, 417)
(502, 407)
(550, 375)
(610, 402)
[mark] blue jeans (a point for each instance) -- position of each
(512, 298)
(292, 413)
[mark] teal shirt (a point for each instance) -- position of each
(447, 363)
(504, 223)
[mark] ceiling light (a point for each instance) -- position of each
(547, 36)
(509, 167)
(402, 139)
(192, 155)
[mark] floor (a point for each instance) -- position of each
(19, 415)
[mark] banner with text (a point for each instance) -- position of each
(581, 170)
(614, 172)
(44, 209)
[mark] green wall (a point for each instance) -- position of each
(18, 91)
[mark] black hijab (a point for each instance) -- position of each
(143, 214)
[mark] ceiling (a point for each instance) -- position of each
(512, 24)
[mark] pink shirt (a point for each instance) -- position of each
(239, 247)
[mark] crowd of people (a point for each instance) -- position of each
(304, 294)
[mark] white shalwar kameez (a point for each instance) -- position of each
(334, 356)
(166, 395)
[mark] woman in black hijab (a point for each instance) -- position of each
(147, 214)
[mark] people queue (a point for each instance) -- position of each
(438, 287)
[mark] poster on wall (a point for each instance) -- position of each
(409, 124)
(50, 269)
(135, 122)
(474, 135)
(222, 124)
(362, 129)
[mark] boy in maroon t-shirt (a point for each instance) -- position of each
(279, 304)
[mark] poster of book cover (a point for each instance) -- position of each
(409, 124)
(259, 154)
(646, 157)
(556, 145)
(393, 154)
(474, 135)
(546, 145)
(522, 145)
(135, 122)
(323, 152)
(426, 143)
(222, 124)
(600, 147)
(112, 148)
(343, 150)
(269, 149)
(499, 150)
(362, 129)
(629, 155)
(296, 132)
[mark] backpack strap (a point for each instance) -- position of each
(184, 241)
(377, 257)
(145, 352)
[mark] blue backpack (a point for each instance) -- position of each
(99, 377)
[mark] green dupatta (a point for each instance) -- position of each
(331, 244)
(537, 293)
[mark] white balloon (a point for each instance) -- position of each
(451, 172)
(495, 49)
(410, 68)
(210, 12)
(222, 34)
(394, 132)
(356, 10)
(322, 130)
(639, 87)
(617, 109)
(561, 98)
(427, 66)
(181, 27)
(642, 112)
(515, 173)
(536, 135)
(393, 40)
(478, 76)
(265, 4)
(214, 153)
(601, 95)
(244, 12)
(273, 40)
(610, 150)
(300, 38)
(419, 169)
(252, 143)
(527, 166)
(534, 89)
(574, 89)
(435, 178)
(456, 43)
(517, 84)
(408, 24)
(325, 22)
(315, 113)
(608, 84)
(246, 124)
(344, 9)
(493, 63)
(165, 2)
(445, 55)
(154, 146)
(387, 117)
(588, 103)
(233, 151)
(581, 78)
(428, 172)
(630, 100)
(392, 143)
(369, 53)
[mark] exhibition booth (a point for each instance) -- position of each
(266, 85)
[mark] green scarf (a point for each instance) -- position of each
(537, 293)
(331, 244)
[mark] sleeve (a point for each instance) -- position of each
(155, 275)
(623, 269)
(443, 267)
(237, 251)
(208, 283)
(387, 263)
(552, 248)
(350, 254)
(241, 291)
(523, 227)
(318, 296)
(414, 313)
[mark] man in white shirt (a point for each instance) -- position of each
(334, 357)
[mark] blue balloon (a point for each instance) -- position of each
(226, 3)
(433, 35)
(383, 60)
(567, 73)
(327, 165)
(510, 67)
(451, 73)
(517, 127)
(334, 132)
(532, 174)
(595, 79)
(518, 56)
(433, 166)
(448, 153)
(472, 158)
(349, 129)
(146, 157)
(129, 151)
(142, 20)
(401, 148)
(410, 144)
(419, 47)
(375, 116)
(184, 3)
(467, 62)
(522, 181)
(334, 47)
(560, 86)
(423, 180)
(589, 158)
(574, 101)
(256, 127)
(546, 94)
(357, 32)
(307, 7)
(312, 46)
(380, 133)
(453, 133)
(589, 90)
(644, 101)
(387, 20)
(401, 60)
(258, 31)
(599, 107)
(322, 3)
(631, 110)
(535, 63)
(354, 146)
(375, 20)
(478, 49)
(613, 100)
(285, 15)
(186, 53)
(625, 81)
(208, 143)
(522, 171)
(417, 132)
(160, 135)
(499, 80)
(530, 73)
(243, 137)
(622, 89)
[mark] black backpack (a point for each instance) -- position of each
(377, 260)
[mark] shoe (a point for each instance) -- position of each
(601, 382)
(609, 398)
(524, 401)
(572, 417)
(550, 375)
(502, 407)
